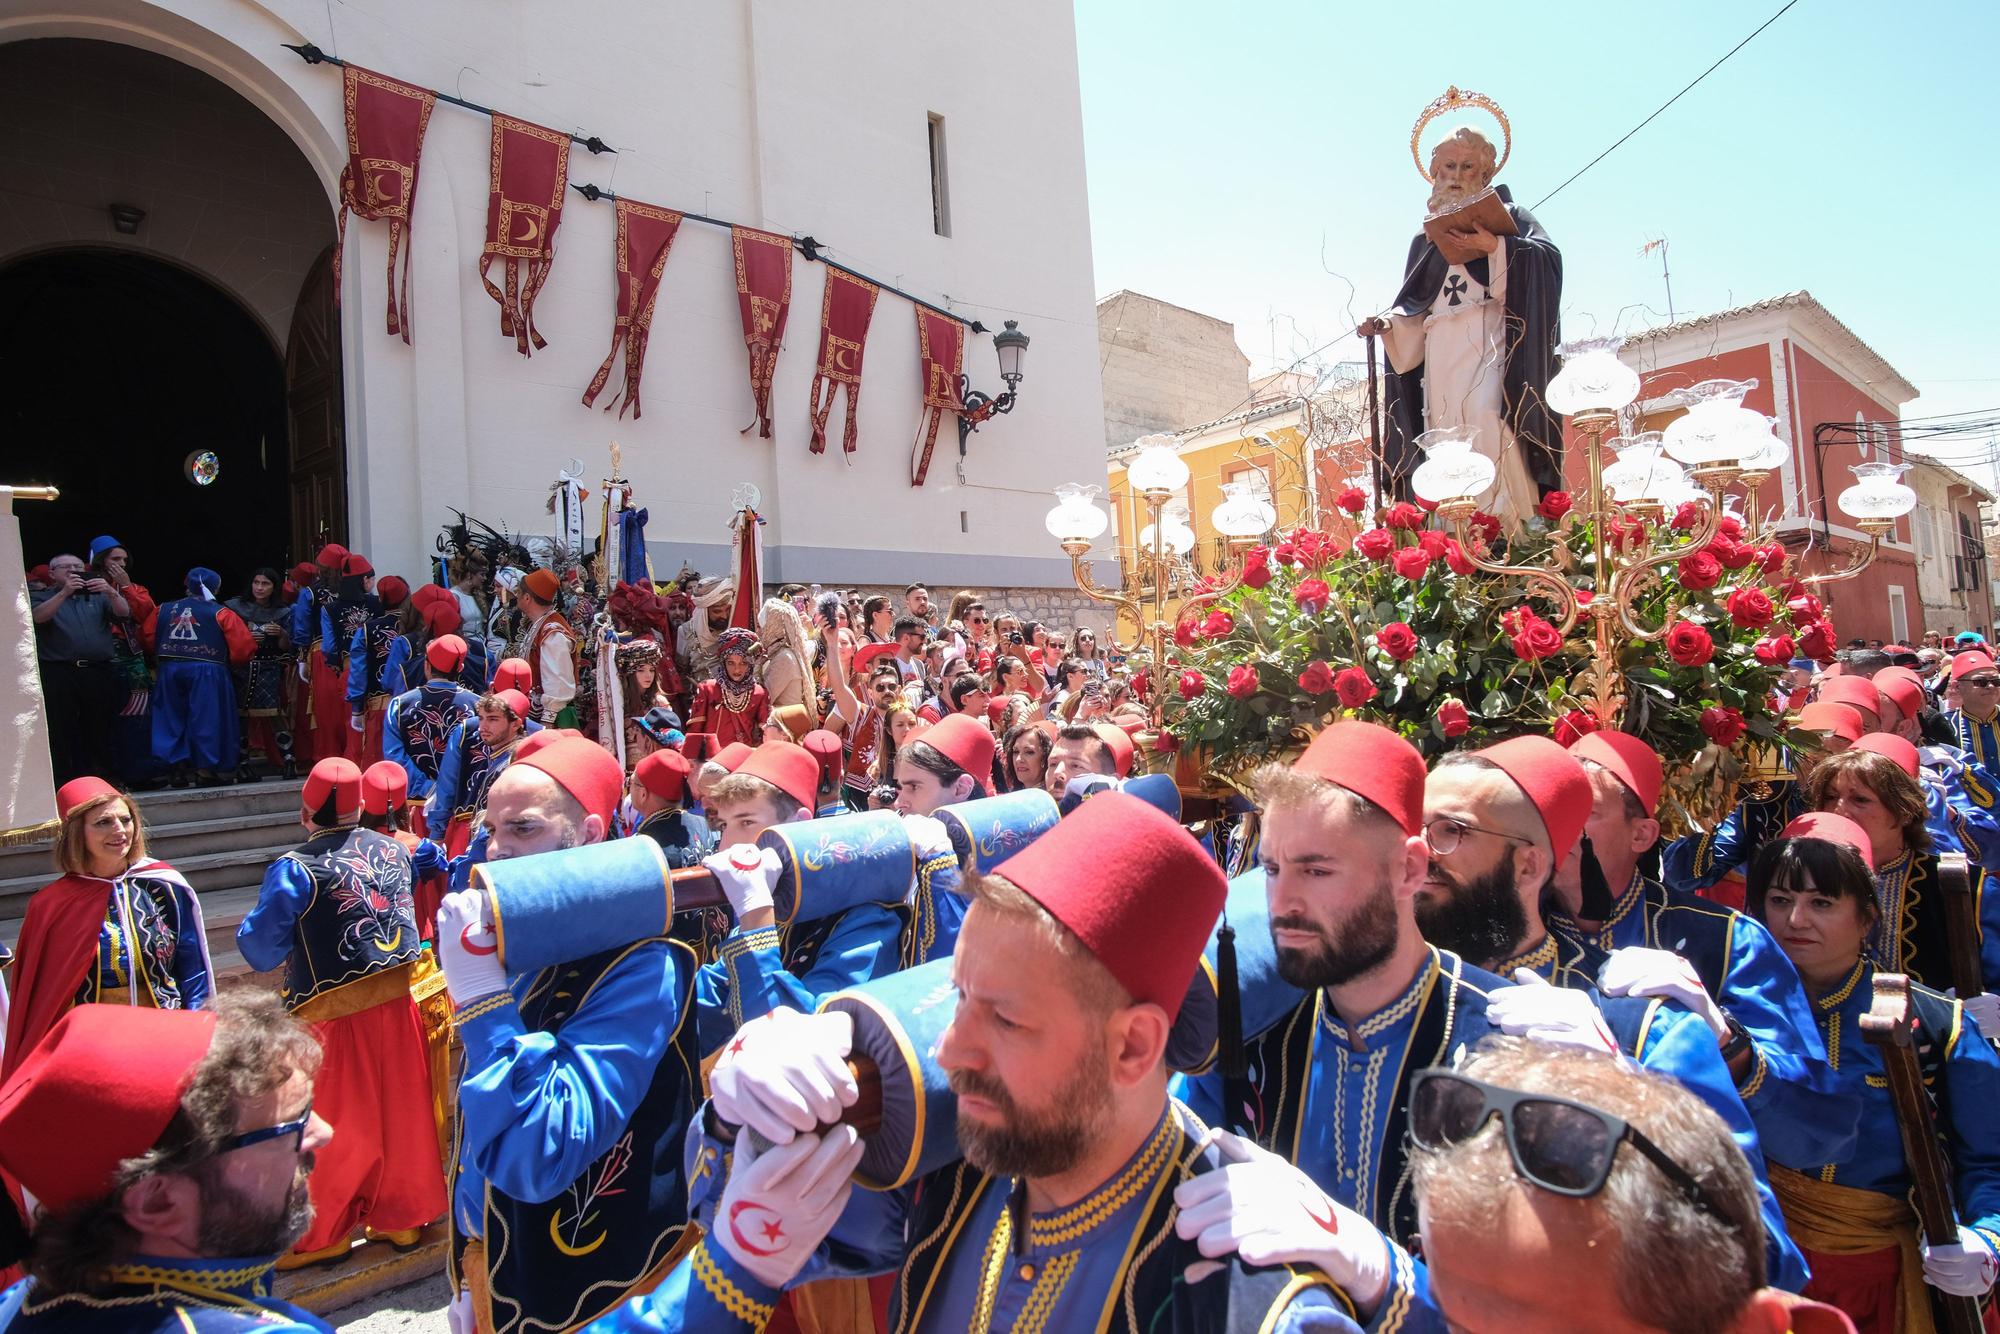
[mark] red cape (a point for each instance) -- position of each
(57, 947)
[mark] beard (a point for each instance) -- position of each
(1481, 920)
(1446, 197)
(1043, 1144)
(1362, 944)
(232, 1224)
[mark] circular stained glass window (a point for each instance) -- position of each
(202, 467)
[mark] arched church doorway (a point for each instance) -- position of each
(164, 295)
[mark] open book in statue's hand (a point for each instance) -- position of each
(1484, 210)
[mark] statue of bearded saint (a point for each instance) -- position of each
(1473, 344)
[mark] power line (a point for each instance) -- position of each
(1669, 102)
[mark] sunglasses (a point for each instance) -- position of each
(296, 1129)
(975, 620)
(1564, 1147)
(1980, 682)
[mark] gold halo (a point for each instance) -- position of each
(1452, 100)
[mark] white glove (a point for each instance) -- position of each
(1534, 1009)
(780, 1204)
(468, 950)
(1269, 1212)
(1984, 1010)
(928, 836)
(1089, 785)
(305, 672)
(355, 724)
(1636, 971)
(785, 1074)
(1963, 1269)
(747, 873)
(458, 1315)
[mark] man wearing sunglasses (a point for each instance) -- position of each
(1976, 720)
(167, 1190)
(1557, 1191)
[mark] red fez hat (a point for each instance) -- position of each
(542, 583)
(1854, 691)
(1374, 764)
(789, 768)
(1553, 780)
(333, 556)
(1893, 746)
(1831, 828)
(581, 768)
(868, 655)
(1824, 715)
(354, 563)
(426, 594)
(303, 573)
(79, 790)
(825, 747)
(446, 652)
(516, 702)
(1899, 686)
(1133, 886)
(384, 787)
(664, 773)
(393, 589)
(1119, 742)
(512, 674)
(1970, 661)
(1832, 670)
(442, 618)
(731, 756)
(100, 1087)
(1629, 760)
(966, 742)
(534, 741)
(41, 574)
(337, 779)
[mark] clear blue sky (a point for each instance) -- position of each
(1250, 161)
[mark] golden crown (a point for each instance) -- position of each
(1452, 100)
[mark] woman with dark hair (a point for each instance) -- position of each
(262, 683)
(1814, 888)
(1086, 652)
(1024, 756)
(878, 619)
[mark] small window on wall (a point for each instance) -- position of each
(1899, 616)
(940, 192)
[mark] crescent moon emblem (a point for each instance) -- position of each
(389, 946)
(393, 193)
(465, 941)
(532, 233)
(842, 358)
(770, 1231)
(567, 1249)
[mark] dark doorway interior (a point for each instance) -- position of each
(114, 368)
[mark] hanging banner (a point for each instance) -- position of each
(764, 297)
(645, 234)
(529, 173)
(941, 341)
(27, 785)
(844, 311)
(386, 120)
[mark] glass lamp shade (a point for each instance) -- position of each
(1716, 426)
(1763, 450)
(1452, 469)
(1011, 346)
(1242, 514)
(1643, 473)
(1878, 492)
(1178, 537)
(1075, 518)
(1592, 377)
(1158, 466)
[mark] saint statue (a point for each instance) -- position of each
(1471, 338)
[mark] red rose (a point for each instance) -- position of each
(1583, 597)
(1403, 514)
(1699, 570)
(1735, 555)
(1432, 543)
(1412, 562)
(1192, 684)
(1455, 558)
(1242, 680)
(1314, 548)
(1805, 609)
(1184, 632)
(1730, 527)
(1165, 743)
(1626, 535)
(1397, 640)
(1354, 687)
(1353, 500)
(1775, 650)
(1257, 573)
(1688, 517)
(1689, 645)
(1722, 726)
(1218, 624)
(1554, 505)
(1816, 641)
(1453, 718)
(1376, 544)
(1749, 608)
(1317, 678)
(1484, 526)
(1771, 559)
(1285, 553)
(1311, 595)
(1537, 639)
(1572, 727)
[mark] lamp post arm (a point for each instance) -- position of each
(1862, 560)
(1553, 585)
(1086, 584)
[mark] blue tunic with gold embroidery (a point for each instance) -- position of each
(760, 969)
(150, 1295)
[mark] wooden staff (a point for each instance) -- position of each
(1891, 1026)
(1374, 421)
(1961, 925)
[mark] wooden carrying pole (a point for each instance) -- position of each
(1961, 925)
(1891, 1026)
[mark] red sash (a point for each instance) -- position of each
(764, 299)
(386, 120)
(844, 311)
(941, 340)
(645, 233)
(529, 173)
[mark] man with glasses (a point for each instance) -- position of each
(169, 1153)
(910, 635)
(857, 718)
(1976, 720)
(1558, 1190)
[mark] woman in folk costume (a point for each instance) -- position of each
(787, 674)
(639, 681)
(730, 706)
(261, 696)
(1814, 889)
(197, 640)
(118, 927)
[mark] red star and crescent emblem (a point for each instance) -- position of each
(466, 942)
(772, 1227)
(1330, 1224)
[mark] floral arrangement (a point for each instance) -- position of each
(1399, 627)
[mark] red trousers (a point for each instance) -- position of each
(365, 747)
(381, 1168)
(329, 708)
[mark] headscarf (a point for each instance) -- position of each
(706, 596)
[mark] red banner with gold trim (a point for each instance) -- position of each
(844, 311)
(529, 174)
(386, 120)
(764, 296)
(645, 234)
(941, 342)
